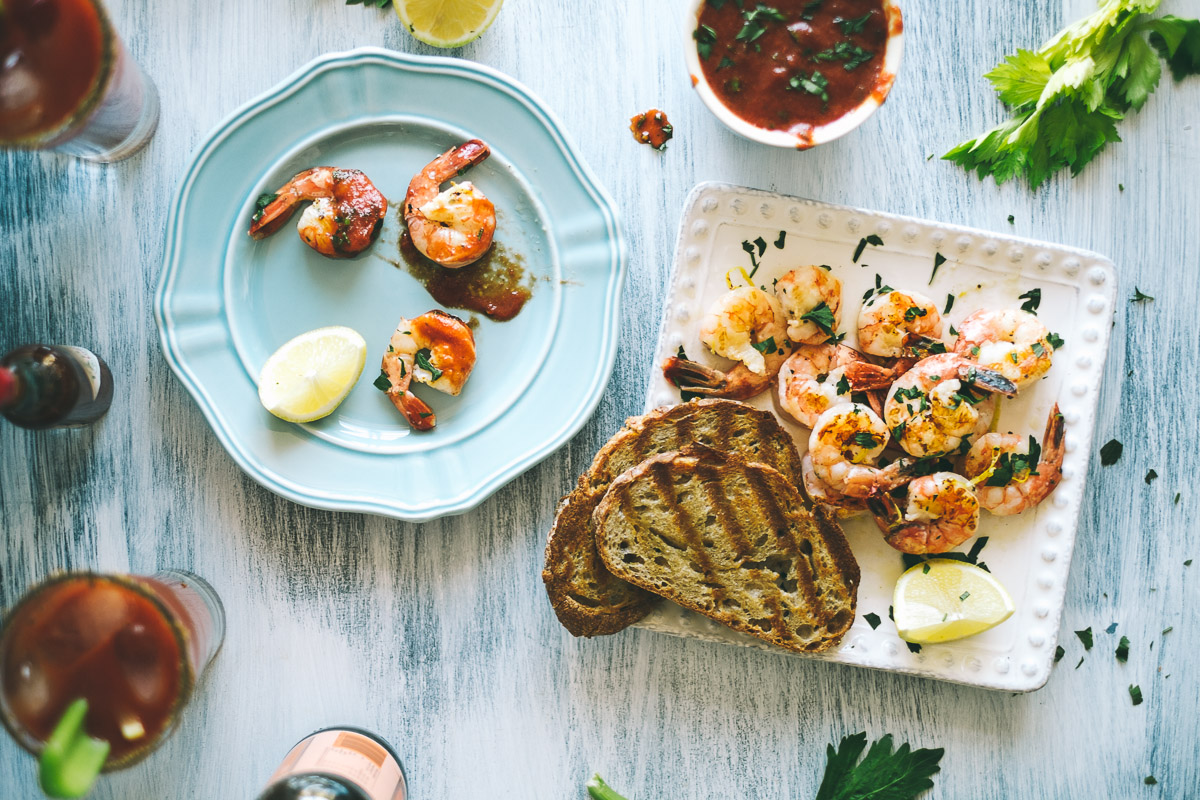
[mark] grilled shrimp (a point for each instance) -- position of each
(1010, 341)
(818, 376)
(454, 227)
(437, 349)
(845, 445)
(346, 214)
(941, 400)
(812, 299)
(1012, 476)
(941, 512)
(819, 492)
(744, 324)
(895, 324)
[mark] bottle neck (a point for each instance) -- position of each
(8, 386)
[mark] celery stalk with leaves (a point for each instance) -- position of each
(1068, 96)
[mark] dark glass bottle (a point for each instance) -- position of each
(44, 386)
(338, 764)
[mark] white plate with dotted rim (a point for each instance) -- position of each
(1030, 553)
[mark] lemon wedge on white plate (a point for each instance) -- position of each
(447, 23)
(311, 375)
(941, 600)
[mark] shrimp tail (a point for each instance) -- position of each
(419, 415)
(988, 380)
(694, 377)
(863, 376)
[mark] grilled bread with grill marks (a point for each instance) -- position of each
(588, 600)
(734, 541)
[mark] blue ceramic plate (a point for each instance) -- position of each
(226, 302)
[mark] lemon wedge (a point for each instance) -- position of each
(311, 375)
(447, 23)
(941, 600)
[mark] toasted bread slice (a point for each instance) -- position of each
(733, 540)
(588, 600)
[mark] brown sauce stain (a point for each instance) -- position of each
(652, 128)
(496, 285)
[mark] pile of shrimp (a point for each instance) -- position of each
(902, 426)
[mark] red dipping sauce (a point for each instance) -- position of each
(793, 65)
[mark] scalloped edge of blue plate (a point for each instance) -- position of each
(323, 499)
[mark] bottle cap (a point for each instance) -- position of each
(8, 385)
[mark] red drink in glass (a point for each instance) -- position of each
(133, 647)
(67, 83)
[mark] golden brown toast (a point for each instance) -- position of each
(588, 600)
(733, 540)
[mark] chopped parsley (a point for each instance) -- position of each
(1038, 348)
(809, 10)
(843, 385)
(1059, 653)
(815, 84)
(913, 648)
(963, 597)
(882, 773)
(1123, 649)
(1033, 299)
(1055, 340)
(1149, 780)
(822, 317)
(1080, 664)
(1151, 475)
(424, 362)
(1111, 629)
(862, 245)
(1139, 296)
(865, 440)
(705, 38)
(854, 25)
(779, 242)
(880, 287)
(1085, 636)
(759, 245)
(261, 204)
(382, 383)
(765, 347)
(851, 54)
(938, 260)
(756, 20)
(1110, 453)
(1012, 220)
(1135, 694)
(912, 312)
(872, 620)
(726, 62)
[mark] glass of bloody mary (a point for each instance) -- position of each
(68, 84)
(133, 647)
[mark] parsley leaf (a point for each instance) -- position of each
(949, 305)
(705, 38)
(756, 20)
(822, 317)
(1059, 653)
(862, 245)
(1110, 453)
(865, 439)
(423, 361)
(938, 260)
(1151, 475)
(1055, 340)
(1135, 694)
(765, 346)
(815, 84)
(779, 242)
(843, 385)
(854, 25)
(872, 620)
(898, 775)
(1178, 43)
(1033, 299)
(1085, 636)
(382, 383)
(1123, 649)
(1139, 296)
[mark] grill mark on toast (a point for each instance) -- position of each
(661, 475)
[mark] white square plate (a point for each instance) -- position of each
(1029, 553)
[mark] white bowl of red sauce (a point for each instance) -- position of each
(793, 73)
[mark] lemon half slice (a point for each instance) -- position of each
(311, 375)
(941, 600)
(447, 23)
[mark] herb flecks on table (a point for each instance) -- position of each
(1068, 96)
(898, 775)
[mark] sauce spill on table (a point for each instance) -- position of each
(652, 128)
(496, 285)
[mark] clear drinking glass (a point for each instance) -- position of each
(67, 82)
(133, 647)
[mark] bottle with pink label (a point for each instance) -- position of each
(339, 764)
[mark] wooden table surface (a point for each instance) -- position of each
(439, 636)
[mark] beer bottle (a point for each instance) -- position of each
(43, 386)
(338, 764)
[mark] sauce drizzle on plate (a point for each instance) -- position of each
(496, 285)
